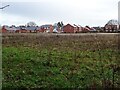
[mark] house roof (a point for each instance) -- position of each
(21, 28)
(47, 25)
(112, 22)
(18, 28)
(9, 28)
(69, 25)
(74, 25)
(38, 28)
(31, 28)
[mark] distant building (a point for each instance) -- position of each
(47, 28)
(10, 29)
(21, 29)
(76, 28)
(111, 26)
(86, 29)
(72, 28)
(4, 30)
(38, 29)
(99, 29)
(90, 29)
(69, 29)
(31, 28)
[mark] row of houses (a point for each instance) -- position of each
(77, 29)
(47, 28)
(111, 26)
(26, 29)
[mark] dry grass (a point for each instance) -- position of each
(60, 41)
(61, 60)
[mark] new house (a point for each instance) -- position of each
(47, 28)
(111, 26)
(72, 28)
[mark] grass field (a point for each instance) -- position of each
(60, 61)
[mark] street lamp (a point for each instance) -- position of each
(4, 7)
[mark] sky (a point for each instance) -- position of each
(79, 12)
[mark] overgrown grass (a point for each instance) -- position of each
(79, 65)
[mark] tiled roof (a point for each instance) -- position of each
(31, 28)
(21, 28)
(10, 28)
(18, 28)
(45, 26)
(112, 22)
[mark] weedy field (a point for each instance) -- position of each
(60, 60)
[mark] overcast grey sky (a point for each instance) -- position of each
(82, 12)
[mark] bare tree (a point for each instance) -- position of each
(31, 24)
(60, 26)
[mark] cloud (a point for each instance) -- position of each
(92, 12)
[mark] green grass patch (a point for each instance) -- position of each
(28, 67)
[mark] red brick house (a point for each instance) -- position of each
(4, 30)
(28, 29)
(85, 30)
(111, 26)
(38, 30)
(80, 29)
(72, 28)
(31, 29)
(76, 28)
(22, 31)
(69, 29)
(47, 28)
(7, 29)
